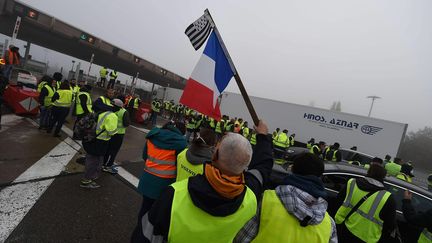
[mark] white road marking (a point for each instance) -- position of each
(52, 163)
(140, 129)
(17, 200)
(128, 176)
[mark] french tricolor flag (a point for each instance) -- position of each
(209, 79)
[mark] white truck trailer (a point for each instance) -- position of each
(373, 136)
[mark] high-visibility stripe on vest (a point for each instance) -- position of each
(185, 169)
(106, 101)
(253, 139)
(365, 222)
(47, 99)
(281, 140)
(425, 236)
(160, 162)
(191, 224)
(78, 106)
(65, 98)
(277, 225)
(121, 129)
(106, 126)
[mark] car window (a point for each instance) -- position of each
(336, 181)
(420, 203)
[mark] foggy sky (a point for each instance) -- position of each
(296, 51)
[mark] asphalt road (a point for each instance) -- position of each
(40, 197)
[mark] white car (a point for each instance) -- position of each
(23, 78)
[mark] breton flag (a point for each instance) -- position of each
(209, 79)
(198, 31)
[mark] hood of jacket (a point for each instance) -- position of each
(170, 138)
(206, 198)
(199, 154)
(301, 204)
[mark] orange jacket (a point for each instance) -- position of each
(160, 162)
(11, 57)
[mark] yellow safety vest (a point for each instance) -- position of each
(218, 128)
(136, 103)
(245, 132)
(425, 236)
(312, 149)
(393, 169)
(121, 129)
(334, 158)
(253, 139)
(309, 145)
(277, 225)
(103, 72)
(404, 177)
(79, 110)
(47, 99)
(191, 224)
(185, 169)
(65, 98)
(113, 75)
(106, 101)
(291, 141)
(41, 85)
(107, 122)
(365, 222)
(281, 140)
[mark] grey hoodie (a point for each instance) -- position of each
(198, 154)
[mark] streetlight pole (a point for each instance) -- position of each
(373, 97)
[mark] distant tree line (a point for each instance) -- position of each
(417, 147)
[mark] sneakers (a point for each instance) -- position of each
(110, 169)
(89, 184)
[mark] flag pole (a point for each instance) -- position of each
(234, 70)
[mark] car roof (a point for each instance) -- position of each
(353, 169)
(357, 152)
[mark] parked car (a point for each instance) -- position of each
(23, 78)
(336, 176)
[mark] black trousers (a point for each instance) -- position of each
(59, 115)
(113, 147)
(137, 235)
(111, 84)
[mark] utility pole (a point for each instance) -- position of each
(373, 97)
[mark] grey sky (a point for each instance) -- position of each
(296, 51)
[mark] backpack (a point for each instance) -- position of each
(85, 128)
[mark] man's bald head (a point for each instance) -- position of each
(234, 154)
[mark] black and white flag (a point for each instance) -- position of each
(198, 31)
